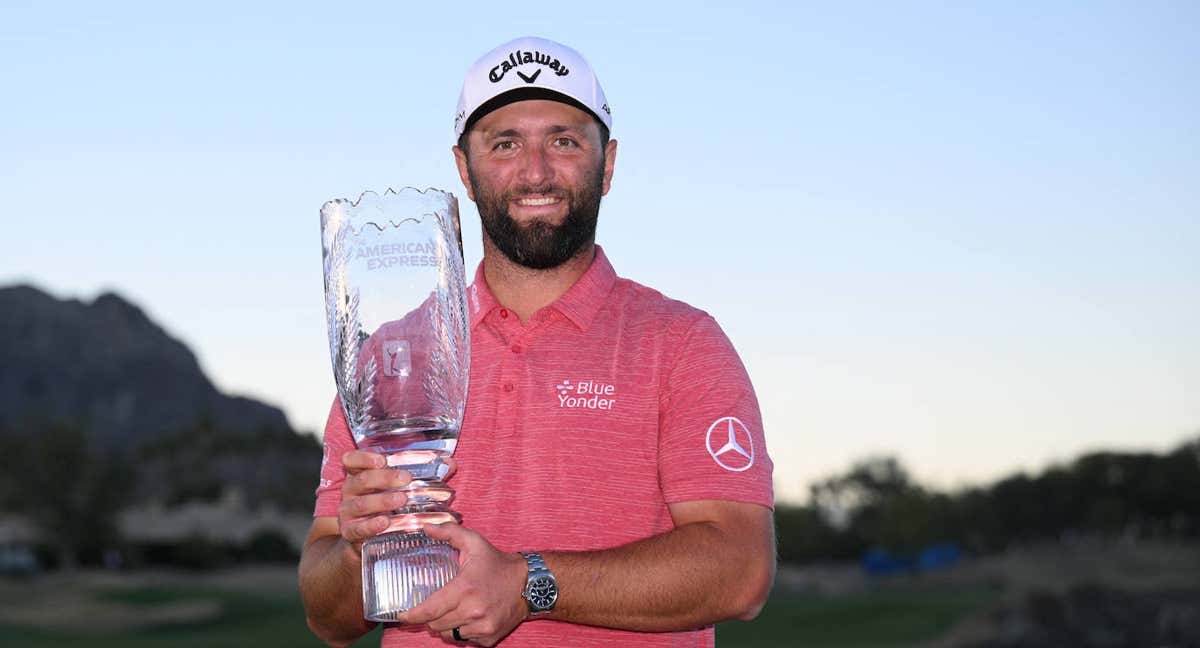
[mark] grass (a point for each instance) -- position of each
(884, 619)
(245, 619)
(263, 619)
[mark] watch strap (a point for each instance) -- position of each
(535, 561)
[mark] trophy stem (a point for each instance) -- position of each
(402, 569)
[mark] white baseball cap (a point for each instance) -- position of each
(529, 68)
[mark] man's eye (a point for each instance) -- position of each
(505, 145)
(564, 142)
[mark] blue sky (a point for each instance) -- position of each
(963, 233)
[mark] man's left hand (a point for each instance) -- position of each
(484, 600)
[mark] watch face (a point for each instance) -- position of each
(543, 591)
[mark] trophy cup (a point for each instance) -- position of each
(395, 297)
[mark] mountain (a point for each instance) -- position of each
(140, 398)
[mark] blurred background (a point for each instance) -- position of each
(954, 243)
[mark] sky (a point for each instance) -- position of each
(965, 234)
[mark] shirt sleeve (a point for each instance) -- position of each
(711, 443)
(337, 442)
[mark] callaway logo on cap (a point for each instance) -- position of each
(529, 68)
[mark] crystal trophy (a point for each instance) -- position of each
(395, 298)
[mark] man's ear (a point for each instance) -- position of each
(460, 160)
(610, 158)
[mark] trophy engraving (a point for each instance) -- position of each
(395, 296)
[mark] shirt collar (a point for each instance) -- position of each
(583, 300)
(579, 304)
(480, 301)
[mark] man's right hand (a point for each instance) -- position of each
(330, 566)
(369, 495)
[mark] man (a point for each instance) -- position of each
(611, 473)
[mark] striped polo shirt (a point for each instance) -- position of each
(583, 424)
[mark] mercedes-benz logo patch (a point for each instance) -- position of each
(730, 444)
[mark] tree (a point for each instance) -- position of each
(877, 504)
(71, 493)
(867, 483)
(805, 536)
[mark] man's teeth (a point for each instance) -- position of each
(537, 201)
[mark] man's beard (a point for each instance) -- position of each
(540, 245)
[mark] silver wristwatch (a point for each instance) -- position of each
(541, 590)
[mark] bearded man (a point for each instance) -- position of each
(611, 474)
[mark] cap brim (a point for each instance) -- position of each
(525, 94)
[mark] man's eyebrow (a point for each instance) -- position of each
(509, 132)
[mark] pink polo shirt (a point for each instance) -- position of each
(583, 425)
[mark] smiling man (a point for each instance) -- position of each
(612, 476)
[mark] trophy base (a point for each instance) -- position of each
(402, 569)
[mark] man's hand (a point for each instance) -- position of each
(484, 600)
(331, 564)
(368, 496)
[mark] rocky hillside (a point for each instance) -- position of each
(140, 399)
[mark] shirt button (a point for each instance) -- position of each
(508, 387)
(504, 313)
(516, 348)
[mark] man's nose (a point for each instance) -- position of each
(536, 168)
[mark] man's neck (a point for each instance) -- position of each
(523, 290)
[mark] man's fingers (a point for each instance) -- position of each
(447, 622)
(355, 460)
(438, 605)
(364, 516)
(375, 480)
(358, 530)
(467, 613)
(473, 628)
(451, 532)
(373, 504)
